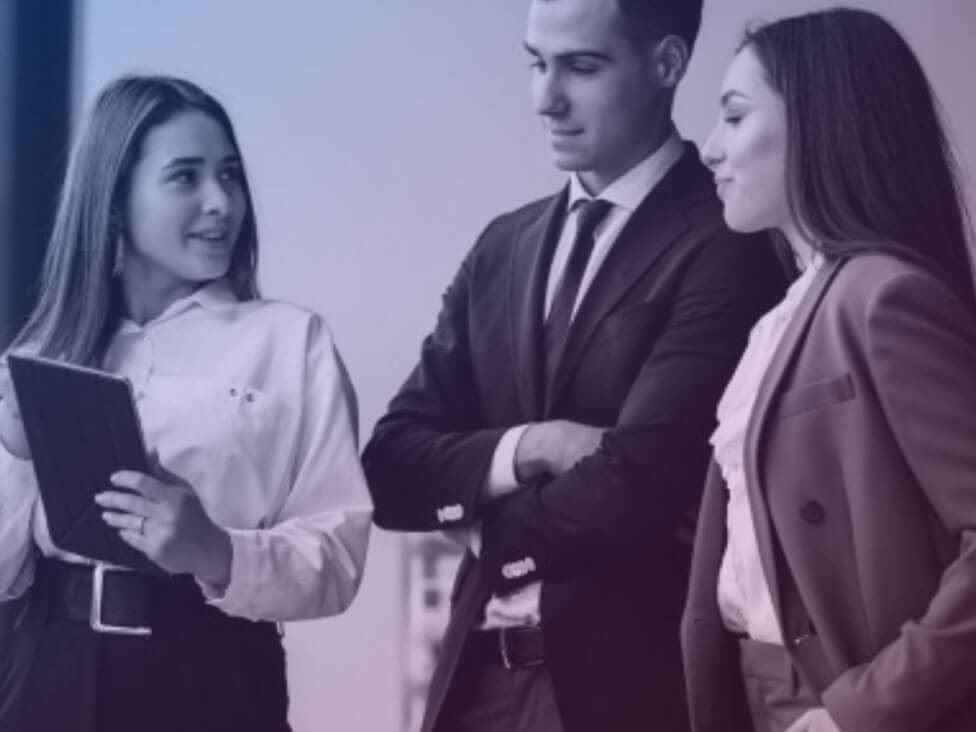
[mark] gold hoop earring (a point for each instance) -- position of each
(118, 265)
(116, 233)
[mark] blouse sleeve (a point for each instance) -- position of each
(308, 562)
(18, 494)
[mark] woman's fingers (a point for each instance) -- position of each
(128, 521)
(131, 503)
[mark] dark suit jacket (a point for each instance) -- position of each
(861, 464)
(650, 349)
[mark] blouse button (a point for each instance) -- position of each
(813, 512)
(249, 397)
(233, 392)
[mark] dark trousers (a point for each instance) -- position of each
(487, 697)
(200, 670)
(777, 694)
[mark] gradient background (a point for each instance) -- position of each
(380, 136)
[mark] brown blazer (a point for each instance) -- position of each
(861, 464)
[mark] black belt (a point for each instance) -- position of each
(511, 647)
(110, 600)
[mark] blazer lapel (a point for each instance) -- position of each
(531, 255)
(657, 223)
(777, 370)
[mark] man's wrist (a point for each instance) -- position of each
(530, 455)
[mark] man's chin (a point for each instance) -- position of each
(568, 162)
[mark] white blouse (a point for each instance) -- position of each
(250, 403)
(743, 594)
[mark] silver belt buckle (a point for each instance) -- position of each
(503, 646)
(95, 616)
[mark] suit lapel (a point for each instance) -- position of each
(531, 255)
(657, 223)
(472, 596)
(778, 368)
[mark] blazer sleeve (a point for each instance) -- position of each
(430, 453)
(648, 470)
(713, 675)
(921, 352)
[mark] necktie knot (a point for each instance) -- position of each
(590, 212)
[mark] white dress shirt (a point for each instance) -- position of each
(248, 402)
(625, 193)
(743, 593)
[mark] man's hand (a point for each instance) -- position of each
(816, 720)
(554, 447)
(163, 518)
(11, 426)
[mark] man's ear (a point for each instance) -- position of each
(670, 56)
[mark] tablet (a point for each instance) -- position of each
(81, 425)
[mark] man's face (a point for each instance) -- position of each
(600, 98)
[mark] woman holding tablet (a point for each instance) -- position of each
(256, 509)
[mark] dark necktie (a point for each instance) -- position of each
(590, 213)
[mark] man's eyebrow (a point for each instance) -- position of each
(571, 55)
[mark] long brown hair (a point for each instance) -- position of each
(78, 304)
(869, 165)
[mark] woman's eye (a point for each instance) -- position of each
(184, 177)
(232, 174)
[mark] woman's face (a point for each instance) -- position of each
(747, 149)
(184, 208)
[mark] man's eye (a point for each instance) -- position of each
(732, 119)
(537, 65)
(584, 69)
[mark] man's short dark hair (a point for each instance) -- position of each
(647, 20)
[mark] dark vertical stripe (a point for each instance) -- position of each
(35, 91)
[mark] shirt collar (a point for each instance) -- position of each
(632, 187)
(212, 295)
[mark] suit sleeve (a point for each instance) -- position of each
(921, 350)
(431, 452)
(648, 470)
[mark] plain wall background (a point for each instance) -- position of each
(380, 136)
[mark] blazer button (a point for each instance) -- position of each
(813, 512)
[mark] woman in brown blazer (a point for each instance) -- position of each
(834, 576)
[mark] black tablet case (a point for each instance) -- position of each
(81, 425)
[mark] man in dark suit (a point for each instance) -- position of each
(561, 406)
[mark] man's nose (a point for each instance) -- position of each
(548, 96)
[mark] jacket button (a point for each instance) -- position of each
(813, 512)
